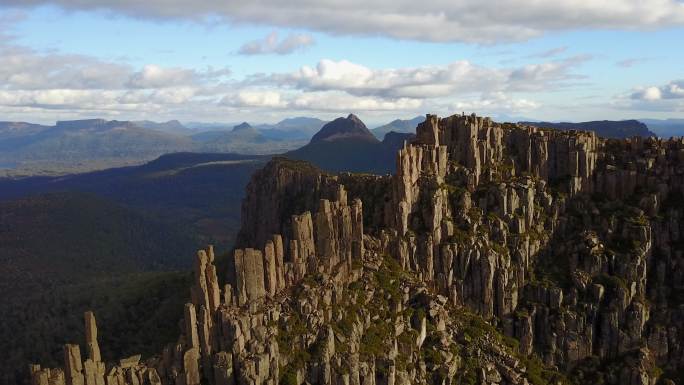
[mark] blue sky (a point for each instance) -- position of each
(215, 62)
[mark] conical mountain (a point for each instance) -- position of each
(346, 144)
(244, 126)
(350, 127)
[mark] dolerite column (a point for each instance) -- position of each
(249, 275)
(324, 234)
(280, 260)
(357, 229)
(204, 331)
(271, 272)
(302, 232)
(91, 337)
(73, 366)
(200, 292)
(214, 292)
(93, 366)
(191, 355)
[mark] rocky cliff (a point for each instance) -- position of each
(497, 254)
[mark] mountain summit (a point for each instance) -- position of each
(346, 145)
(350, 127)
(243, 126)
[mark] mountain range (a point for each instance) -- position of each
(86, 145)
(604, 128)
(398, 125)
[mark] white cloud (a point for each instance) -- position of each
(32, 81)
(336, 101)
(479, 21)
(270, 99)
(671, 90)
(38, 84)
(319, 101)
(665, 100)
(651, 93)
(23, 68)
(154, 76)
(34, 85)
(26, 69)
(460, 77)
(271, 45)
(496, 103)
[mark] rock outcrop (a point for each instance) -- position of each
(497, 254)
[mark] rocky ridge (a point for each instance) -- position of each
(497, 254)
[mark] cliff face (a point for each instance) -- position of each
(497, 254)
(560, 239)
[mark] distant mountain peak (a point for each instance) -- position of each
(354, 118)
(350, 127)
(242, 126)
(398, 125)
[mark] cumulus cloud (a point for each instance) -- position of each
(25, 69)
(255, 98)
(671, 90)
(154, 76)
(271, 45)
(320, 101)
(496, 103)
(459, 77)
(56, 81)
(344, 85)
(35, 83)
(340, 102)
(667, 99)
(479, 21)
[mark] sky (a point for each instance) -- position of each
(265, 60)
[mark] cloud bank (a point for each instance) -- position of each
(473, 21)
(38, 84)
